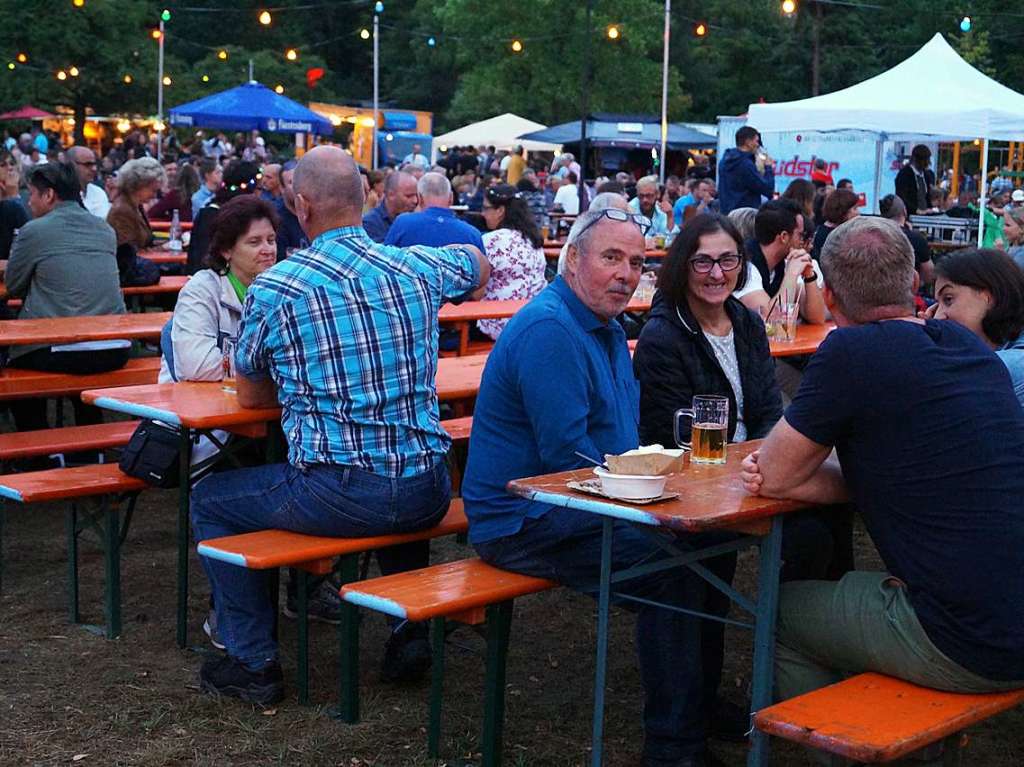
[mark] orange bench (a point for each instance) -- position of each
(105, 481)
(272, 549)
(16, 383)
(69, 439)
(874, 718)
(468, 591)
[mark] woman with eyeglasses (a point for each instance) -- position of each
(700, 340)
(514, 248)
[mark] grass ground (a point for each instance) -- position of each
(68, 696)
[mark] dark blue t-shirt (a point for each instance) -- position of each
(931, 441)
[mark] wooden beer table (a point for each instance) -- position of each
(808, 338)
(164, 256)
(711, 498)
(462, 315)
(165, 226)
(199, 408)
(69, 330)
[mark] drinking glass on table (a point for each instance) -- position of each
(709, 430)
(780, 320)
(227, 350)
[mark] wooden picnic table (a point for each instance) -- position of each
(711, 497)
(461, 316)
(808, 338)
(552, 252)
(168, 284)
(165, 226)
(69, 330)
(164, 256)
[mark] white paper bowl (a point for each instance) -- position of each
(631, 486)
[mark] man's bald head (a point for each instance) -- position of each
(84, 161)
(328, 190)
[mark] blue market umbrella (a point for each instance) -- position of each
(625, 131)
(247, 107)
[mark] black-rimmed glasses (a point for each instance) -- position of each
(704, 264)
(615, 214)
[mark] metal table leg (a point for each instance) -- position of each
(601, 662)
(770, 562)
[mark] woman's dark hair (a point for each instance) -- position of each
(995, 272)
(838, 203)
(231, 223)
(240, 177)
(188, 182)
(525, 185)
(801, 191)
(517, 213)
(58, 176)
(675, 271)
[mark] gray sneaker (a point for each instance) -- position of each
(210, 629)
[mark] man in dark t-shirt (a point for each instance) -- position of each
(930, 445)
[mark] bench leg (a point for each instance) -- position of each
(71, 531)
(184, 534)
(302, 624)
(769, 563)
(499, 623)
(112, 566)
(436, 688)
(348, 643)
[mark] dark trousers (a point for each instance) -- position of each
(30, 414)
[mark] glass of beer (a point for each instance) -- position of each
(227, 351)
(709, 431)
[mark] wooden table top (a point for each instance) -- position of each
(167, 284)
(711, 497)
(164, 256)
(470, 311)
(205, 405)
(69, 330)
(165, 226)
(808, 338)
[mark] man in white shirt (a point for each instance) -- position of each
(568, 195)
(93, 197)
(416, 157)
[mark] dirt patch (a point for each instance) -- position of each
(68, 696)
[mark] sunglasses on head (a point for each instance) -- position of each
(615, 214)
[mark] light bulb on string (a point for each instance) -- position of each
(378, 7)
(965, 24)
(206, 78)
(10, 65)
(265, 18)
(22, 58)
(364, 33)
(279, 89)
(789, 7)
(222, 55)
(62, 75)
(431, 42)
(613, 32)
(127, 79)
(517, 46)
(700, 29)
(291, 54)
(73, 71)
(167, 80)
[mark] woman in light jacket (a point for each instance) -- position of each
(243, 243)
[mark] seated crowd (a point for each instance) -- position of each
(911, 417)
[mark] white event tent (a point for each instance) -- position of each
(499, 131)
(933, 95)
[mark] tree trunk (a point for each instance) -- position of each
(79, 120)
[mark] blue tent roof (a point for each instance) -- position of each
(626, 131)
(250, 106)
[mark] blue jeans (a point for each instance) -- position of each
(340, 501)
(680, 655)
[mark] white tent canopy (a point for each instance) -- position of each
(499, 132)
(934, 94)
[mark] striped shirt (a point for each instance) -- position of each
(347, 330)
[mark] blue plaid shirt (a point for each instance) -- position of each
(347, 329)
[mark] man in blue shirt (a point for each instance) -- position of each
(558, 381)
(435, 224)
(400, 197)
(342, 335)
(745, 174)
(930, 445)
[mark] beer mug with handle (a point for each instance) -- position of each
(709, 431)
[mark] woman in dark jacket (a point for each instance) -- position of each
(684, 347)
(701, 340)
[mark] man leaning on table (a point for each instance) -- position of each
(342, 335)
(558, 381)
(930, 446)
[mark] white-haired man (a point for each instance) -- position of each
(435, 224)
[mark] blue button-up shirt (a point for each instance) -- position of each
(558, 380)
(435, 227)
(202, 196)
(347, 329)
